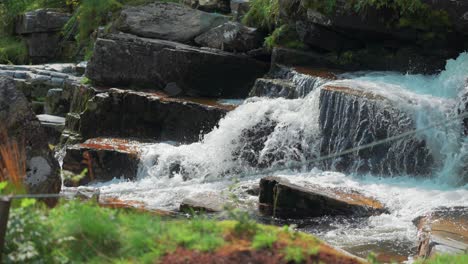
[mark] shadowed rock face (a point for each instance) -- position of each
(168, 21)
(222, 6)
(123, 113)
(20, 124)
(123, 60)
(351, 118)
(281, 198)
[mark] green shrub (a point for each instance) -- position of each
(263, 14)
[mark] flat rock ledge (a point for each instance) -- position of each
(127, 60)
(101, 159)
(443, 231)
(281, 198)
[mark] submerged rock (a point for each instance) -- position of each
(350, 118)
(274, 88)
(124, 60)
(168, 21)
(443, 232)
(281, 198)
(101, 159)
(21, 124)
(231, 36)
(153, 116)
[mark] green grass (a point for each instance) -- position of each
(13, 50)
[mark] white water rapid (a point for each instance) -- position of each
(282, 136)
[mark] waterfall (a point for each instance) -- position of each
(280, 133)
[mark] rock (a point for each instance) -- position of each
(40, 21)
(101, 159)
(291, 83)
(274, 88)
(81, 67)
(20, 124)
(457, 12)
(239, 8)
(347, 112)
(56, 103)
(153, 116)
(231, 36)
(53, 127)
(124, 60)
(168, 21)
(281, 198)
(203, 202)
(323, 38)
(41, 30)
(443, 232)
(222, 6)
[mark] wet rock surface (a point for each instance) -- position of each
(124, 60)
(101, 159)
(443, 232)
(348, 113)
(291, 83)
(168, 21)
(154, 116)
(281, 198)
(21, 124)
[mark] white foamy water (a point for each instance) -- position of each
(170, 173)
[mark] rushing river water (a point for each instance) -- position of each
(170, 172)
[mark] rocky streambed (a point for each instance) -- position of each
(181, 110)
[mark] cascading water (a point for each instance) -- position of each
(283, 136)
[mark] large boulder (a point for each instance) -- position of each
(154, 116)
(231, 36)
(41, 29)
(351, 117)
(125, 60)
(168, 21)
(22, 126)
(280, 197)
(222, 6)
(443, 231)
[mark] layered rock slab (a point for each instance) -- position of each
(126, 60)
(20, 124)
(152, 116)
(168, 21)
(280, 197)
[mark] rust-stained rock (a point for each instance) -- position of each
(101, 159)
(444, 231)
(281, 198)
(115, 203)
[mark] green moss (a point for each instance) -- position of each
(284, 36)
